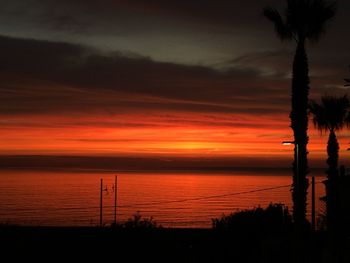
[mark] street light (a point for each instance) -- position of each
(288, 142)
(297, 181)
(296, 164)
(297, 153)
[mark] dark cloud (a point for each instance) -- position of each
(180, 31)
(140, 163)
(43, 77)
(220, 11)
(51, 76)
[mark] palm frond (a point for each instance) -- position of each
(319, 116)
(331, 114)
(321, 12)
(308, 18)
(275, 17)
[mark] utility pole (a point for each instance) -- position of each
(115, 200)
(101, 191)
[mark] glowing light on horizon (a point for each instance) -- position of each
(176, 135)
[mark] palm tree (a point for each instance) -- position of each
(303, 20)
(331, 115)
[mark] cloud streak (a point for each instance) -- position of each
(44, 76)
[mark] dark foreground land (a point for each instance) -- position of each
(50, 244)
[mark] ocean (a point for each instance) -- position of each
(181, 199)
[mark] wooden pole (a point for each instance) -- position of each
(115, 200)
(101, 191)
(313, 212)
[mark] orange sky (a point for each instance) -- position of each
(154, 78)
(172, 134)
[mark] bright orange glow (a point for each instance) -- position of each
(172, 134)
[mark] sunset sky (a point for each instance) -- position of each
(184, 78)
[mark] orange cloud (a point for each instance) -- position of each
(172, 134)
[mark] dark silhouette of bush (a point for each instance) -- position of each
(273, 219)
(138, 222)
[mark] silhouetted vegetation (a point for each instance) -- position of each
(301, 21)
(137, 221)
(274, 218)
(331, 115)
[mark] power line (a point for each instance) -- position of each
(210, 197)
(205, 197)
(163, 202)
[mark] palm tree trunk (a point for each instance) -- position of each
(332, 196)
(299, 124)
(333, 155)
(332, 179)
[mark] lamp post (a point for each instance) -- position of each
(313, 214)
(297, 154)
(296, 186)
(297, 159)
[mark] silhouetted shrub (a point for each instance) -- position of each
(274, 218)
(138, 222)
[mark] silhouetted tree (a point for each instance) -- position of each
(331, 115)
(303, 20)
(258, 221)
